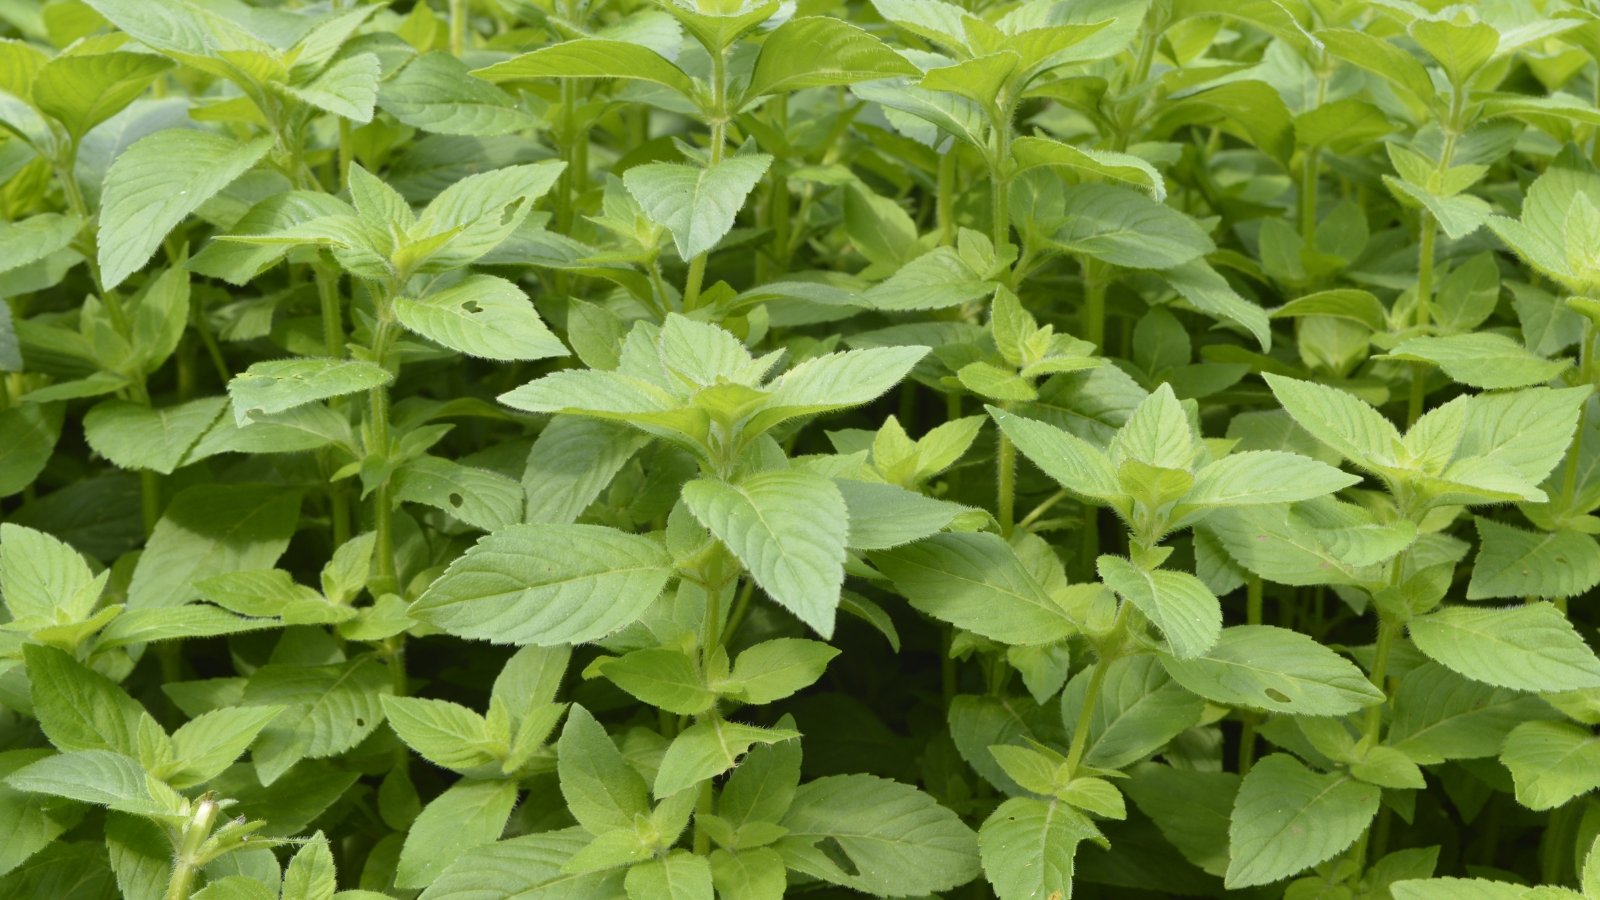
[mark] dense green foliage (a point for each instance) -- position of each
(694, 449)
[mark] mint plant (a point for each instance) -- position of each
(730, 450)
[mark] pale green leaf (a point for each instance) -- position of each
(157, 182)
(481, 316)
(546, 585)
(435, 93)
(467, 815)
(591, 58)
(1288, 818)
(1254, 477)
(1028, 845)
(789, 528)
(709, 748)
(135, 436)
(898, 840)
(1481, 359)
(697, 205)
(209, 530)
(1177, 603)
(1551, 762)
(279, 385)
(1512, 562)
(1527, 648)
(1265, 667)
(975, 581)
(818, 51)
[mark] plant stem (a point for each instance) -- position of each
(1094, 304)
(458, 26)
(945, 201)
(386, 579)
(719, 128)
(1424, 301)
(1247, 735)
(186, 861)
(1110, 652)
(1006, 476)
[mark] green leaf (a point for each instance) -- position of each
(527, 867)
(1461, 49)
(1205, 290)
(1527, 648)
(1512, 562)
(1255, 477)
(155, 184)
(679, 875)
(896, 839)
(1345, 424)
(755, 874)
(1140, 709)
(348, 88)
(884, 516)
(30, 240)
(1177, 603)
(443, 733)
(546, 585)
(789, 528)
(976, 582)
(327, 709)
(467, 815)
(1288, 818)
(1458, 889)
(32, 431)
(134, 436)
(1074, 463)
(1034, 152)
(81, 90)
(478, 497)
(279, 385)
(696, 205)
(162, 623)
(591, 58)
(40, 575)
(1551, 762)
(1191, 809)
(835, 381)
(1526, 431)
(1439, 715)
(709, 748)
(602, 791)
(1270, 668)
(1381, 58)
(310, 874)
(938, 279)
(27, 826)
(482, 316)
(772, 670)
(664, 678)
(234, 887)
(571, 462)
(818, 51)
(1028, 845)
(80, 709)
(1482, 359)
(1126, 228)
(208, 743)
(208, 530)
(435, 94)
(100, 777)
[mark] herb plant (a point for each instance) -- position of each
(736, 449)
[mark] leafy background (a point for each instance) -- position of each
(565, 448)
